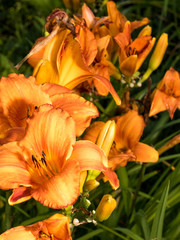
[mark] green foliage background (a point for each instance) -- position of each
(149, 196)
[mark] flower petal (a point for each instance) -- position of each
(19, 195)
(52, 89)
(13, 168)
(70, 64)
(112, 177)
(56, 226)
(129, 129)
(157, 105)
(81, 110)
(19, 96)
(128, 66)
(53, 132)
(88, 44)
(93, 130)
(145, 153)
(61, 190)
(89, 156)
(20, 233)
(36, 57)
(44, 72)
(12, 134)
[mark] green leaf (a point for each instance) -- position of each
(142, 222)
(123, 178)
(129, 233)
(91, 234)
(157, 226)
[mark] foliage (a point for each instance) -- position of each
(148, 200)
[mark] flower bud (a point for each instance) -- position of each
(146, 31)
(82, 180)
(157, 55)
(104, 141)
(106, 136)
(90, 185)
(105, 207)
(171, 143)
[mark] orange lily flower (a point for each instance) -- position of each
(129, 129)
(119, 20)
(20, 96)
(166, 96)
(126, 146)
(132, 54)
(46, 164)
(55, 227)
(62, 63)
(116, 26)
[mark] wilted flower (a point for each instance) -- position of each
(166, 96)
(56, 227)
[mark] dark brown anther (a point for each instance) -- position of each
(43, 159)
(36, 164)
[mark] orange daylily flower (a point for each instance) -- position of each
(119, 20)
(63, 63)
(132, 53)
(55, 227)
(46, 164)
(20, 96)
(166, 96)
(116, 26)
(126, 146)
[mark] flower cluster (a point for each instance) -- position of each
(49, 148)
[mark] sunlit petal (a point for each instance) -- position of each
(145, 153)
(56, 226)
(93, 130)
(81, 110)
(88, 44)
(19, 195)
(19, 96)
(112, 177)
(53, 132)
(129, 129)
(128, 66)
(13, 171)
(89, 156)
(61, 190)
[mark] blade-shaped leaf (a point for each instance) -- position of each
(157, 226)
